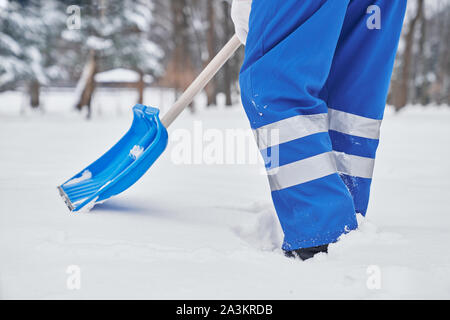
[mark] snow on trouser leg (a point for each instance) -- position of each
(357, 87)
(289, 53)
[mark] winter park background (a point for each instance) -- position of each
(196, 228)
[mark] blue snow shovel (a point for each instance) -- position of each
(121, 166)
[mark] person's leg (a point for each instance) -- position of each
(289, 52)
(357, 88)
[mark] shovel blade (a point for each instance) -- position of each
(122, 165)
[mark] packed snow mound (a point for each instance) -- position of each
(120, 75)
(261, 229)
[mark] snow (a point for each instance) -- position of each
(136, 152)
(10, 43)
(84, 176)
(97, 43)
(120, 75)
(191, 231)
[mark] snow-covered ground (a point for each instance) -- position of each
(209, 231)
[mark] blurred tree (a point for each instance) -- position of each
(29, 31)
(442, 83)
(199, 29)
(402, 92)
(133, 47)
(13, 62)
(114, 34)
(48, 39)
(228, 31)
(180, 69)
(422, 71)
(172, 40)
(211, 90)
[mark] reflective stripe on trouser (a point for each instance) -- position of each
(357, 88)
(355, 140)
(289, 55)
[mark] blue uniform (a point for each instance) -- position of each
(314, 84)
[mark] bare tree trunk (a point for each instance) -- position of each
(443, 78)
(141, 86)
(177, 12)
(33, 91)
(85, 98)
(227, 68)
(211, 43)
(402, 91)
(182, 63)
(420, 94)
(88, 96)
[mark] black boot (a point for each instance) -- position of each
(306, 253)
